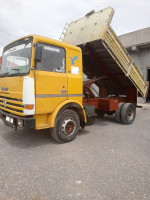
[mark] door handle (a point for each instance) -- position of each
(63, 91)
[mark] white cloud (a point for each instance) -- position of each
(43, 17)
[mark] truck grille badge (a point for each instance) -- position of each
(4, 102)
(4, 89)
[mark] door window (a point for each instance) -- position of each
(53, 59)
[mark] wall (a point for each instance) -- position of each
(136, 38)
(137, 44)
(142, 60)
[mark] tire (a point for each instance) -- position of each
(66, 126)
(110, 112)
(118, 112)
(128, 113)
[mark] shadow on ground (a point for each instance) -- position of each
(106, 120)
(30, 138)
(27, 138)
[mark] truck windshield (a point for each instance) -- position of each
(17, 58)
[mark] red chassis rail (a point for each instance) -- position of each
(105, 104)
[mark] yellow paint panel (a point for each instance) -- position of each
(11, 111)
(48, 105)
(75, 81)
(41, 121)
(14, 85)
(11, 101)
(47, 84)
(13, 107)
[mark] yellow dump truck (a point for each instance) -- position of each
(41, 83)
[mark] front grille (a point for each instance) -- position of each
(11, 105)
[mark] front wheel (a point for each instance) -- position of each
(66, 126)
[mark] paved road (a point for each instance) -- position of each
(107, 161)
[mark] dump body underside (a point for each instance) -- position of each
(97, 62)
(104, 56)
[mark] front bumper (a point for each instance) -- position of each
(28, 122)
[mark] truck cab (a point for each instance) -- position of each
(41, 86)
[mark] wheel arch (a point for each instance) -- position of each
(73, 105)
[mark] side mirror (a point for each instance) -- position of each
(38, 54)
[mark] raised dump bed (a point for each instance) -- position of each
(104, 56)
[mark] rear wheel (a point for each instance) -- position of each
(66, 126)
(128, 113)
(118, 112)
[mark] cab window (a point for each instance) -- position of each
(53, 59)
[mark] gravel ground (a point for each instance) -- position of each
(107, 161)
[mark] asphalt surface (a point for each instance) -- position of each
(107, 161)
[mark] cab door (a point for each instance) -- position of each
(51, 79)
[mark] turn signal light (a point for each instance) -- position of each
(29, 107)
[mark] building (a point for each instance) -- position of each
(137, 44)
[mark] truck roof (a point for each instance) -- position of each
(48, 40)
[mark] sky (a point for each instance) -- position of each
(47, 18)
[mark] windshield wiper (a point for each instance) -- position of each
(6, 73)
(17, 70)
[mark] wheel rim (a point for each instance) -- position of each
(68, 126)
(131, 114)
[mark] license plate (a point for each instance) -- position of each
(8, 119)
